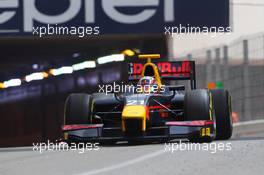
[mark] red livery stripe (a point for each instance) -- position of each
(191, 123)
(158, 107)
(78, 127)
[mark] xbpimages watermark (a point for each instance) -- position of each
(186, 146)
(63, 30)
(187, 29)
(62, 146)
(123, 88)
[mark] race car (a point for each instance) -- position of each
(150, 110)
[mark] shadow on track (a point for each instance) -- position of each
(140, 143)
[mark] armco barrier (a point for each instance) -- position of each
(248, 128)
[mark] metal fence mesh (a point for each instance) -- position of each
(240, 67)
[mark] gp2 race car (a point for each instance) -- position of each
(151, 111)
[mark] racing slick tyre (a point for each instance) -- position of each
(198, 106)
(223, 110)
(78, 109)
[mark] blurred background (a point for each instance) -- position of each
(37, 74)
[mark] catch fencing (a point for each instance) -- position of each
(240, 67)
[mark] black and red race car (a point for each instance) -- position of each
(150, 110)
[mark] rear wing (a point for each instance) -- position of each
(175, 70)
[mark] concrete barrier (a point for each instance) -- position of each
(248, 128)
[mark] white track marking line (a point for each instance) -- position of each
(124, 164)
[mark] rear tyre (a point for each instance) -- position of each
(223, 110)
(198, 106)
(78, 109)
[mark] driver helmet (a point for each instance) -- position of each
(148, 84)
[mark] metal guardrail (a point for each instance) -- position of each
(248, 128)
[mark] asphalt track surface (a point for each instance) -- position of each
(246, 157)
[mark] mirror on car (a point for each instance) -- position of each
(119, 97)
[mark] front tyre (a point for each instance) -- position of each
(198, 106)
(78, 109)
(223, 111)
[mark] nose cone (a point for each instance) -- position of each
(134, 118)
(133, 112)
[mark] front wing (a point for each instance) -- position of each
(171, 130)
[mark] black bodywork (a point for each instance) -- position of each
(166, 111)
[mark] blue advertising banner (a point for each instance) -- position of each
(25, 17)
